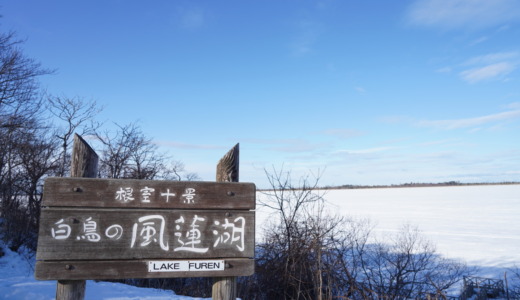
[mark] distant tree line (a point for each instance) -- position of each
(36, 130)
(416, 184)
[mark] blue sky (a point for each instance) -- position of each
(362, 92)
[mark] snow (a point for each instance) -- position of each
(478, 224)
(17, 282)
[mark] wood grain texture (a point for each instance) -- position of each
(128, 193)
(84, 159)
(217, 231)
(228, 166)
(224, 288)
(70, 289)
(120, 269)
(84, 163)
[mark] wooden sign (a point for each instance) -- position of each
(114, 229)
(85, 234)
(130, 193)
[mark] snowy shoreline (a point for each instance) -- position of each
(477, 224)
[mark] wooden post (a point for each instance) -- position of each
(225, 288)
(70, 290)
(227, 167)
(84, 164)
(84, 159)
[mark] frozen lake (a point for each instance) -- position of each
(479, 224)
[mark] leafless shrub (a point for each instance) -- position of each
(309, 254)
(75, 114)
(513, 283)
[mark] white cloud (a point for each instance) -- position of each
(475, 130)
(395, 119)
(366, 151)
(180, 145)
(471, 122)
(286, 145)
(360, 89)
(503, 28)
(456, 14)
(438, 142)
(514, 105)
(479, 40)
(489, 66)
(342, 132)
(497, 70)
(444, 70)
(296, 146)
(492, 58)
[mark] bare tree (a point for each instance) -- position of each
(406, 266)
(177, 171)
(512, 278)
(18, 81)
(22, 136)
(118, 149)
(19, 104)
(76, 113)
(290, 202)
(130, 154)
(308, 253)
(297, 257)
(36, 159)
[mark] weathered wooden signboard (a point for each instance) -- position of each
(115, 229)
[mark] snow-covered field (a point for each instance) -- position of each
(479, 224)
(17, 283)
